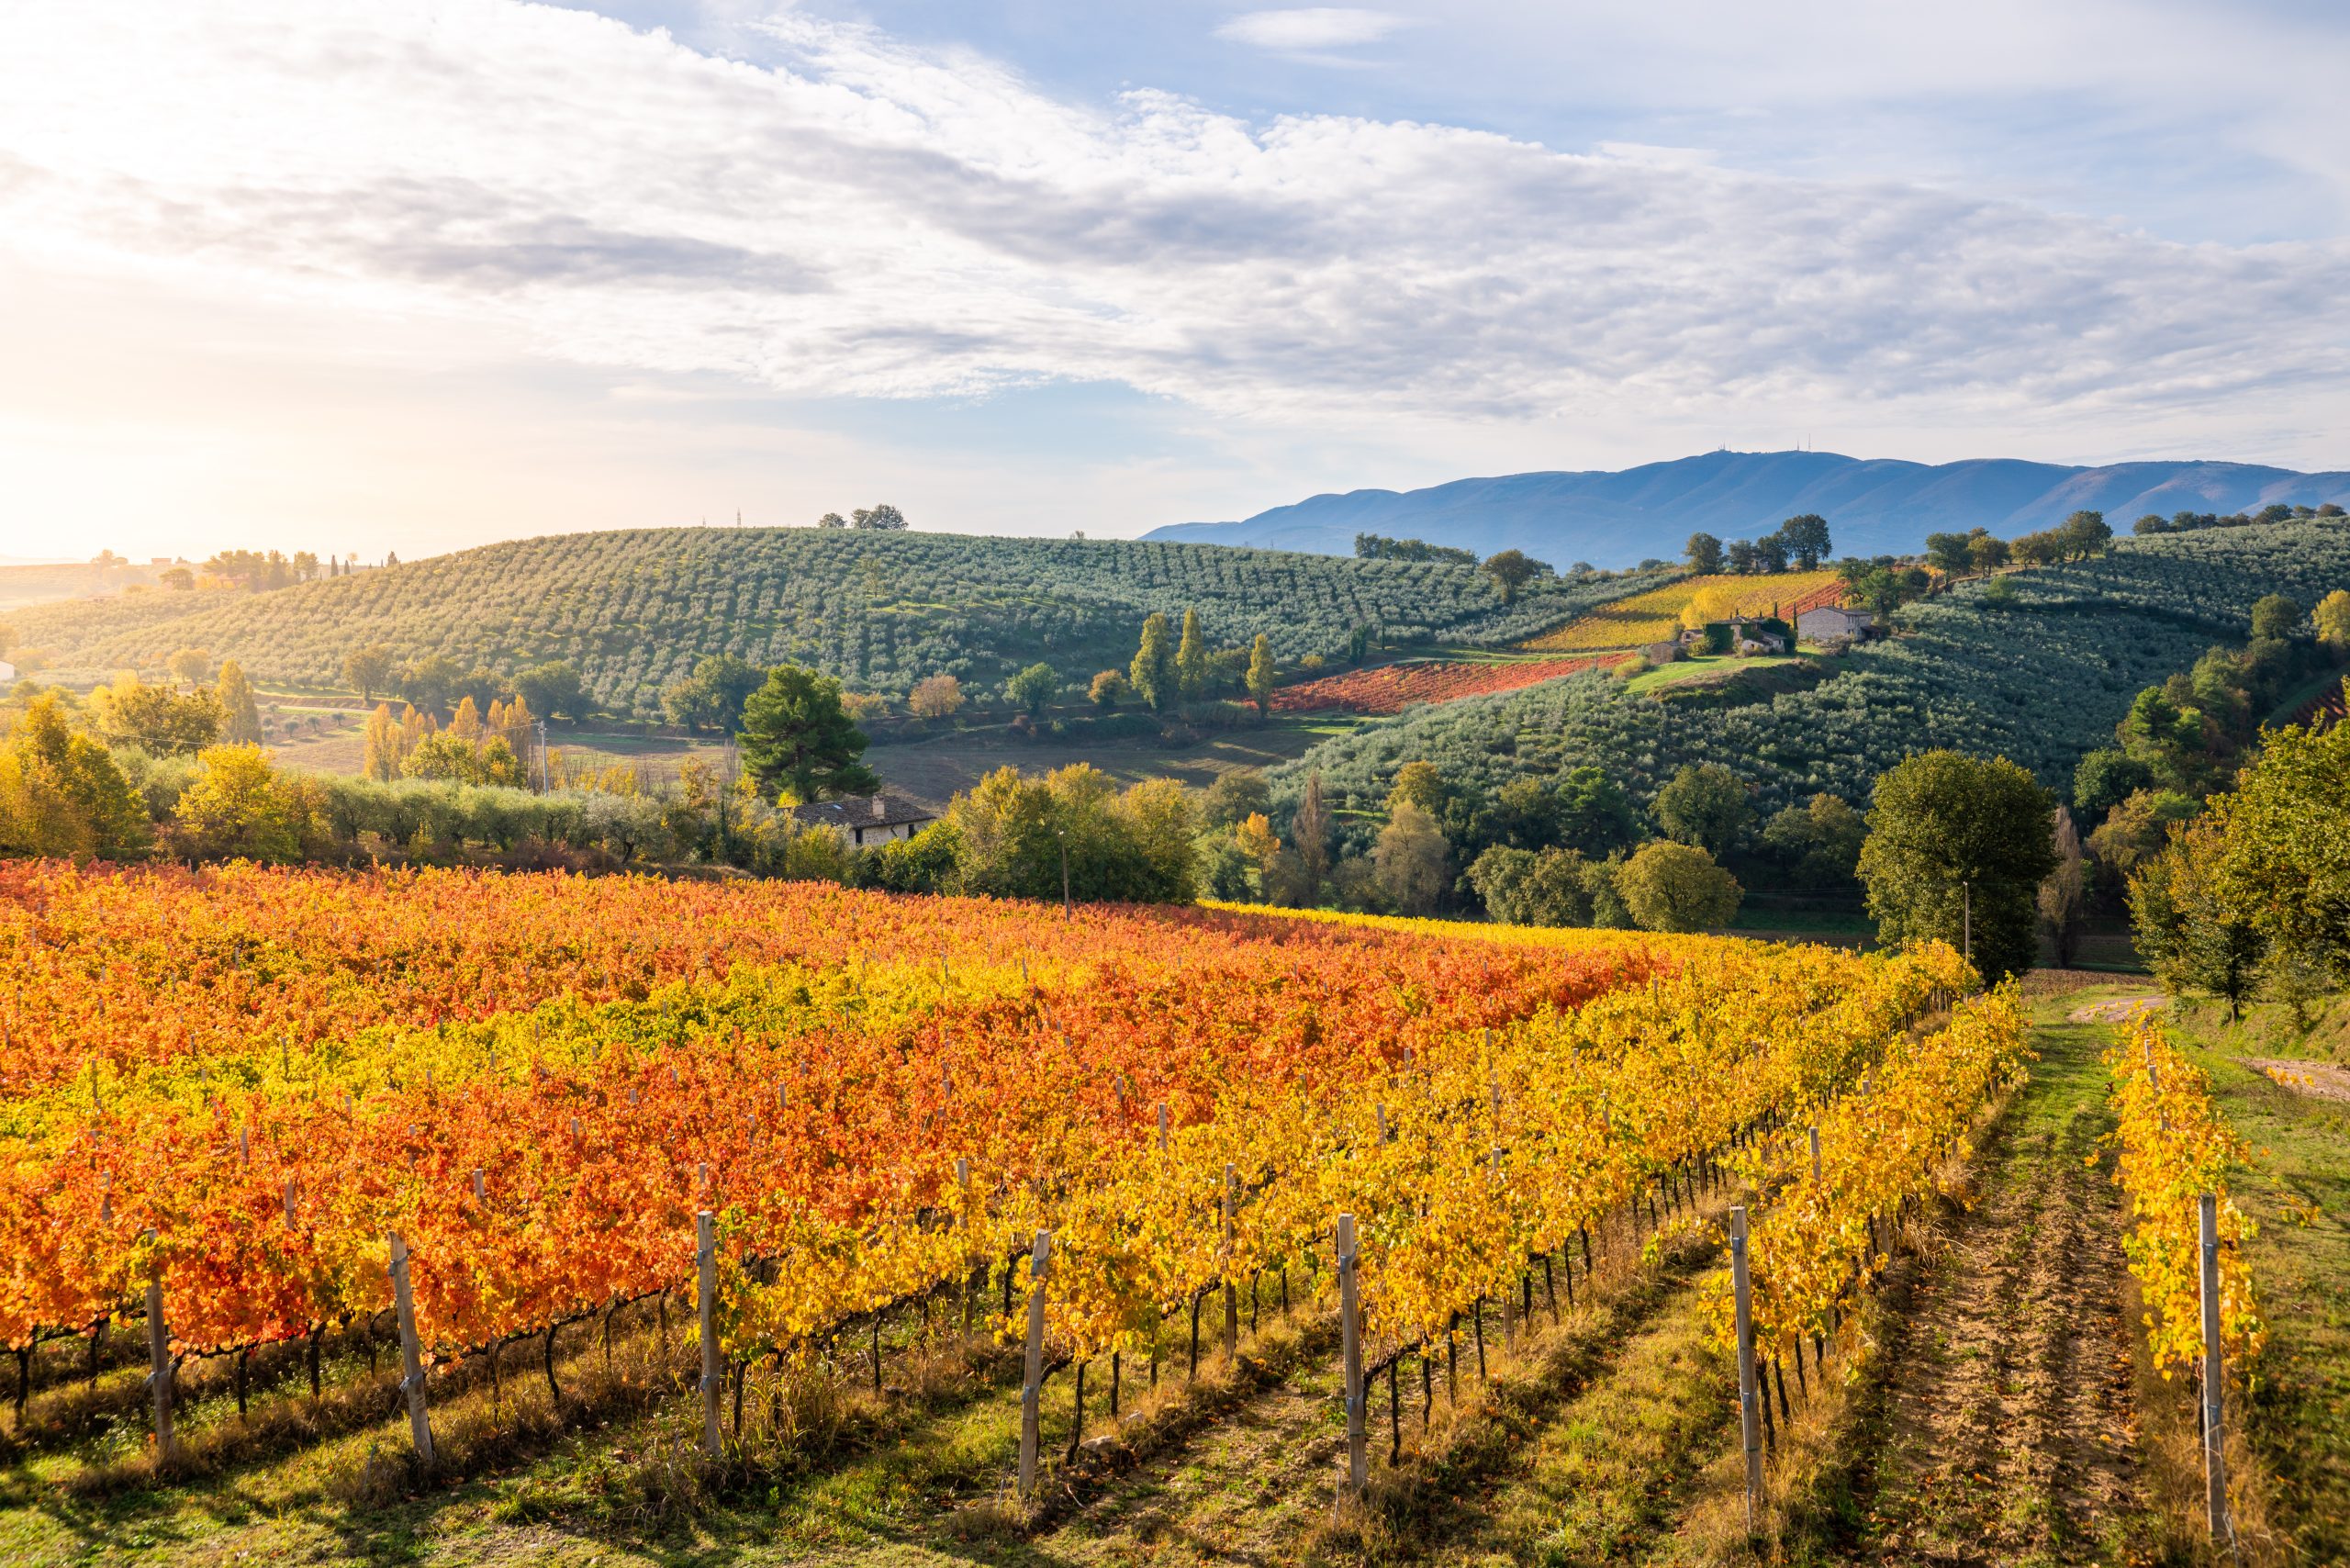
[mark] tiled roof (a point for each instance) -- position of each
(863, 811)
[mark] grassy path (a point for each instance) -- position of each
(1597, 1473)
(2003, 1427)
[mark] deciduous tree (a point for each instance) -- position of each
(1957, 849)
(1411, 861)
(239, 715)
(1260, 670)
(1677, 887)
(1705, 804)
(368, 669)
(1152, 674)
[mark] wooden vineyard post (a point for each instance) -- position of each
(1815, 1155)
(1350, 1320)
(159, 1360)
(2215, 1474)
(712, 1380)
(963, 1183)
(1509, 1296)
(1231, 1292)
(1032, 1386)
(1749, 1416)
(419, 1427)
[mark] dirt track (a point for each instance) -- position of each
(2006, 1419)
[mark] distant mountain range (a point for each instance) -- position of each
(1873, 506)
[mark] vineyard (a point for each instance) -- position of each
(1654, 616)
(226, 1091)
(1390, 688)
(633, 611)
(836, 1146)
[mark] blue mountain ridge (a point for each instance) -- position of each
(1873, 506)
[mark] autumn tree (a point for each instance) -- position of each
(61, 793)
(2332, 619)
(1109, 688)
(1191, 660)
(1677, 887)
(156, 719)
(193, 667)
(1260, 674)
(937, 697)
(1411, 861)
(239, 715)
(1418, 785)
(238, 807)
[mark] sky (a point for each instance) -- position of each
(360, 275)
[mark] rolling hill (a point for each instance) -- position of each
(1875, 506)
(2040, 680)
(632, 610)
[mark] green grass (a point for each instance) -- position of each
(2297, 1191)
(1681, 672)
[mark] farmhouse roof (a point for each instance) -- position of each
(884, 810)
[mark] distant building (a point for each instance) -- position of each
(867, 819)
(1749, 638)
(1663, 652)
(1831, 622)
(7, 672)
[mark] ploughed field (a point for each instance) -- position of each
(781, 1219)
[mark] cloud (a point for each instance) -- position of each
(863, 218)
(1310, 28)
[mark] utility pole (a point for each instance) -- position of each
(1966, 920)
(542, 757)
(1068, 909)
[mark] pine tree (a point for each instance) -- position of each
(1191, 660)
(240, 716)
(1260, 674)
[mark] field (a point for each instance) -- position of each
(1390, 688)
(539, 1082)
(632, 610)
(536, 1082)
(1654, 616)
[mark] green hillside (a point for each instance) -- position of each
(632, 610)
(2040, 680)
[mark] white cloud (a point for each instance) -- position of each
(1310, 28)
(870, 220)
